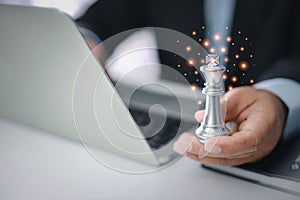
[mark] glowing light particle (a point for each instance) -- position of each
(217, 37)
(191, 62)
(177, 41)
(194, 33)
(203, 27)
(239, 32)
(206, 43)
(226, 59)
(246, 38)
(223, 49)
(225, 77)
(242, 48)
(212, 50)
(230, 87)
(237, 56)
(185, 74)
(244, 65)
(188, 48)
(200, 102)
(251, 81)
(251, 56)
(202, 61)
(234, 79)
(196, 72)
(193, 87)
(232, 44)
(228, 39)
(178, 65)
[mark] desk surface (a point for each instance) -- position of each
(38, 165)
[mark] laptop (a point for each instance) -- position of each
(50, 79)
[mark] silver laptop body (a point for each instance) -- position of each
(49, 79)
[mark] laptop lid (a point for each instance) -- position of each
(50, 80)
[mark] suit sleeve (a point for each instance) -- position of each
(288, 66)
(109, 17)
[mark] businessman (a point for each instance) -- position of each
(261, 114)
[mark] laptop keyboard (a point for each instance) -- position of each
(164, 135)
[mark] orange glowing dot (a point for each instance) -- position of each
(244, 65)
(202, 61)
(226, 59)
(232, 44)
(200, 102)
(199, 54)
(178, 65)
(239, 32)
(196, 72)
(217, 37)
(242, 48)
(251, 81)
(223, 49)
(228, 39)
(194, 33)
(193, 87)
(212, 50)
(237, 56)
(188, 48)
(234, 64)
(206, 43)
(191, 62)
(224, 76)
(230, 87)
(227, 70)
(234, 79)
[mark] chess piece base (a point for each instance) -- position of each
(206, 132)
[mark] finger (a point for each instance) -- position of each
(239, 143)
(188, 143)
(222, 161)
(199, 115)
(237, 100)
(184, 143)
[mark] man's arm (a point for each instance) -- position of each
(289, 92)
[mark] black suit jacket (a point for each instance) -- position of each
(272, 26)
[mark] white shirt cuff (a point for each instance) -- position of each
(289, 92)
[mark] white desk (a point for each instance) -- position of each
(39, 165)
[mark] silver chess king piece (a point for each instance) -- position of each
(213, 123)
